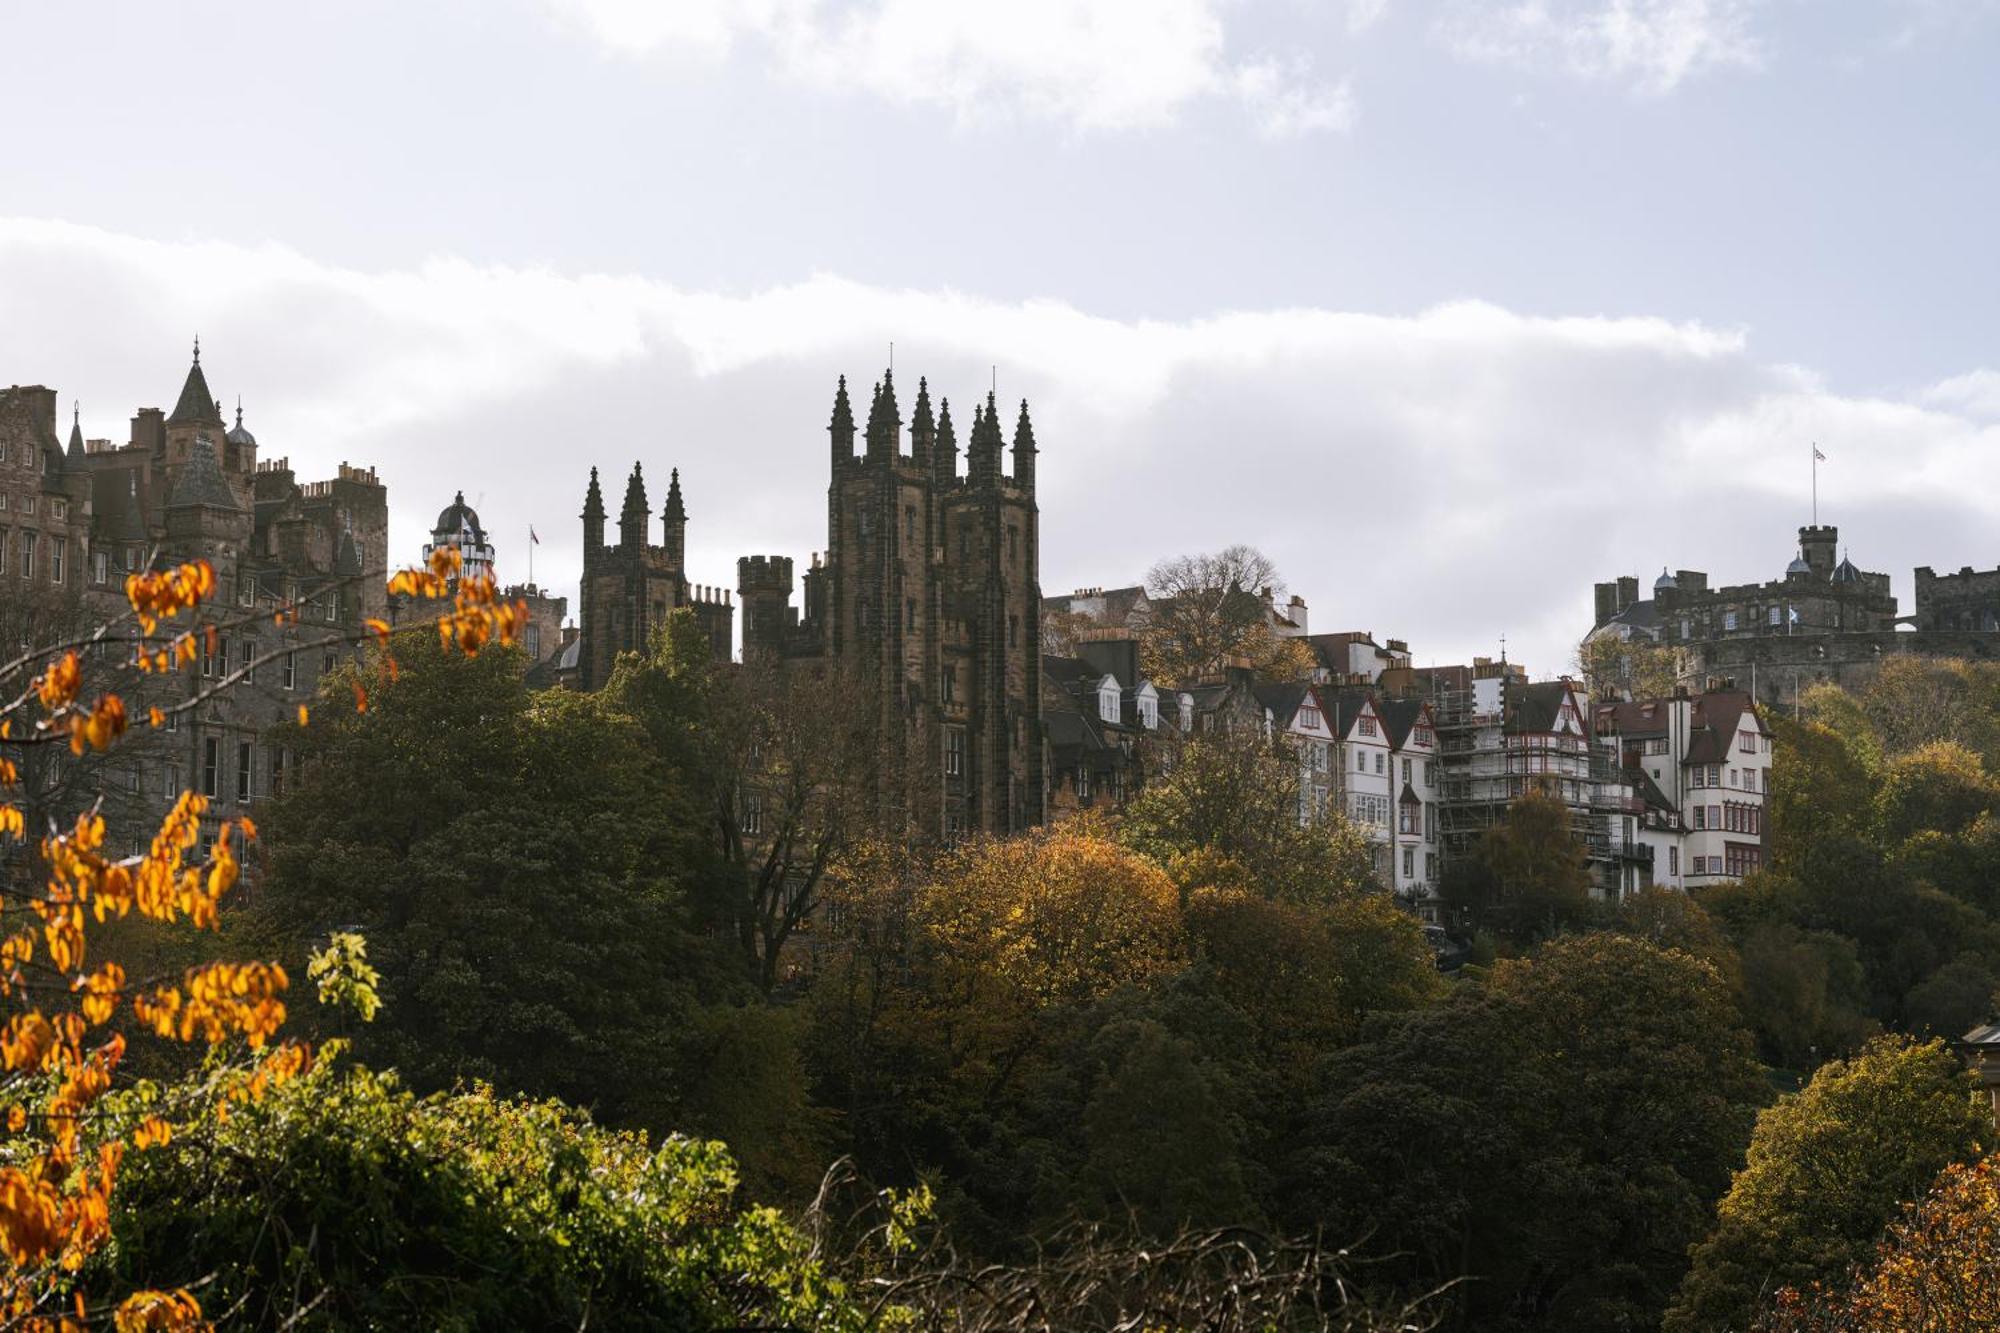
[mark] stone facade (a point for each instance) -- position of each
(1823, 621)
(629, 588)
(186, 486)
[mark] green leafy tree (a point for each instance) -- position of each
(1940, 786)
(1528, 879)
(1827, 1169)
(1555, 1133)
(1804, 993)
(1819, 789)
(513, 861)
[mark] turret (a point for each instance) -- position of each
(885, 423)
(841, 428)
(944, 453)
(764, 586)
(593, 518)
(633, 517)
(675, 520)
(1024, 450)
(76, 433)
(1817, 545)
(923, 428)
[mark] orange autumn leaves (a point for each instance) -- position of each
(66, 1140)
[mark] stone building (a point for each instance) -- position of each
(928, 590)
(1966, 601)
(631, 586)
(186, 485)
(542, 638)
(1824, 619)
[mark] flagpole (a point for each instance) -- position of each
(531, 555)
(1815, 482)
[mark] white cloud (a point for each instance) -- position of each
(1095, 65)
(1445, 476)
(1650, 45)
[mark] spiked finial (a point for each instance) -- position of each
(593, 499)
(76, 430)
(675, 512)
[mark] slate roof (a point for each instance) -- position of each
(201, 483)
(114, 499)
(1534, 708)
(1398, 717)
(1283, 699)
(196, 406)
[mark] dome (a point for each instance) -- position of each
(457, 517)
(238, 435)
(1798, 567)
(1664, 583)
(1845, 571)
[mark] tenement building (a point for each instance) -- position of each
(927, 593)
(1824, 620)
(75, 519)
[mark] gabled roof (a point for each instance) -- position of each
(1717, 717)
(1399, 716)
(1638, 717)
(1346, 706)
(1283, 699)
(1409, 796)
(1535, 708)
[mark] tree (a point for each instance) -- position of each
(66, 1139)
(1804, 994)
(1615, 668)
(1939, 786)
(1555, 1133)
(785, 758)
(1208, 610)
(1528, 879)
(1827, 1169)
(518, 863)
(1226, 815)
(1819, 789)
(1913, 702)
(343, 1201)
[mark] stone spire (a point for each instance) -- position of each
(983, 452)
(196, 405)
(76, 432)
(593, 516)
(841, 428)
(885, 423)
(1024, 450)
(632, 518)
(200, 481)
(674, 520)
(923, 427)
(944, 455)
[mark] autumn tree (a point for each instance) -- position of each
(1819, 789)
(1211, 609)
(1827, 1169)
(72, 1008)
(1225, 814)
(1614, 668)
(1940, 786)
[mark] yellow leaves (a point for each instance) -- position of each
(155, 718)
(9, 775)
(62, 927)
(216, 1002)
(17, 1118)
(96, 730)
(57, 686)
(12, 823)
(305, 715)
(161, 596)
(27, 1041)
(160, 1312)
(101, 990)
(31, 1218)
(360, 698)
(433, 582)
(153, 1132)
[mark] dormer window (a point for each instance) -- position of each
(1149, 712)
(1187, 712)
(1107, 702)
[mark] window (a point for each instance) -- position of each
(1378, 764)
(753, 813)
(949, 680)
(1673, 860)
(1308, 716)
(243, 771)
(1701, 816)
(1424, 737)
(1107, 704)
(1657, 745)
(910, 522)
(57, 545)
(1686, 630)
(1361, 761)
(326, 665)
(1729, 619)
(1409, 863)
(207, 659)
(1746, 741)
(1367, 726)
(1406, 770)
(1149, 713)
(291, 671)
(909, 614)
(246, 590)
(100, 567)
(1774, 614)
(1430, 867)
(211, 764)
(532, 641)
(170, 781)
(28, 540)
(954, 751)
(249, 661)
(1410, 818)
(1082, 782)
(27, 504)
(58, 509)
(277, 763)
(1715, 816)
(4, 536)
(1429, 781)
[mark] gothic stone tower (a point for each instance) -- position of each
(629, 588)
(931, 592)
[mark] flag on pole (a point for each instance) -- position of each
(1818, 457)
(531, 535)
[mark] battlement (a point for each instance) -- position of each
(764, 573)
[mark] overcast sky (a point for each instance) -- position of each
(1452, 306)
